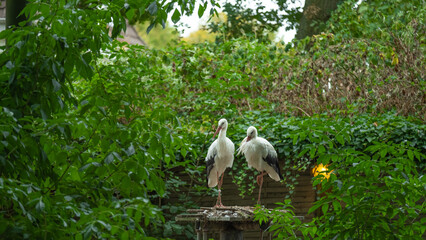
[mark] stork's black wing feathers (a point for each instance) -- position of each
(209, 167)
(273, 162)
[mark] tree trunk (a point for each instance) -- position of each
(13, 8)
(315, 11)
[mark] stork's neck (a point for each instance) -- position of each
(222, 134)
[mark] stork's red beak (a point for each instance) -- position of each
(248, 138)
(217, 131)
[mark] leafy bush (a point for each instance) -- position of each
(373, 194)
(78, 158)
(337, 75)
(376, 187)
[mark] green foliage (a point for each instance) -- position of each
(379, 20)
(374, 193)
(336, 75)
(82, 151)
(93, 137)
(376, 188)
(242, 21)
(282, 221)
(302, 142)
(199, 36)
(158, 37)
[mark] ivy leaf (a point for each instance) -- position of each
(130, 151)
(117, 156)
(109, 159)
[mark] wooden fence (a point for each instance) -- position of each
(272, 192)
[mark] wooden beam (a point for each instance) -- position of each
(13, 8)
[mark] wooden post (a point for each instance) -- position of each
(205, 231)
(13, 8)
(198, 229)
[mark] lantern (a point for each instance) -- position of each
(321, 169)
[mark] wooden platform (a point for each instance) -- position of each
(227, 222)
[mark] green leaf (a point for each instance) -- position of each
(152, 8)
(321, 149)
(130, 13)
(130, 151)
(150, 27)
(376, 171)
(325, 208)
(363, 8)
(313, 208)
(117, 156)
(176, 16)
(336, 206)
(40, 205)
(56, 85)
(124, 235)
(383, 152)
(340, 139)
(78, 236)
(201, 10)
(312, 153)
(173, 209)
(410, 154)
(303, 152)
(295, 137)
(109, 158)
(183, 152)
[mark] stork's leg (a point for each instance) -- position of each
(218, 187)
(260, 177)
(219, 184)
(259, 180)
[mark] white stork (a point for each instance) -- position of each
(219, 157)
(261, 155)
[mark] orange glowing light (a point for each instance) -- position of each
(321, 169)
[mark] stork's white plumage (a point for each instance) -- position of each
(261, 155)
(219, 157)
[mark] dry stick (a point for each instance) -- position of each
(302, 111)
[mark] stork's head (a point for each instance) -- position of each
(223, 125)
(251, 133)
